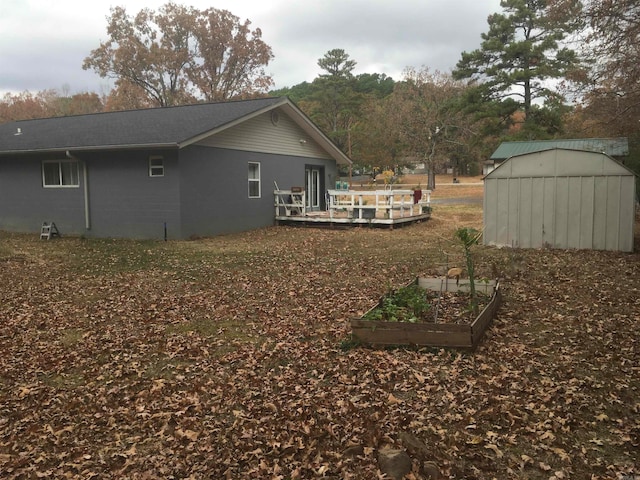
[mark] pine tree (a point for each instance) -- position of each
(521, 52)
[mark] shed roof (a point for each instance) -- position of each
(614, 147)
(167, 127)
(559, 162)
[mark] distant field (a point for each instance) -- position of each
(445, 188)
(469, 187)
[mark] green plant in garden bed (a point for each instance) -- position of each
(407, 304)
(470, 237)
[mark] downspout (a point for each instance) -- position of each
(85, 176)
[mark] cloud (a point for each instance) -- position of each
(43, 43)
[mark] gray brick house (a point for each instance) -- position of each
(196, 170)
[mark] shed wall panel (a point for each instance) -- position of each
(587, 190)
(574, 212)
(627, 213)
(526, 197)
(502, 209)
(600, 220)
(490, 208)
(562, 199)
(512, 197)
(533, 168)
(549, 214)
(612, 232)
(537, 211)
(561, 232)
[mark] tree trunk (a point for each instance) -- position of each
(431, 178)
(431, 173)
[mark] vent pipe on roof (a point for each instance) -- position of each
(18, 132)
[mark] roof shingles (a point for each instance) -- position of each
(152, 127)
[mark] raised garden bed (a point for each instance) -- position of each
(446, 323)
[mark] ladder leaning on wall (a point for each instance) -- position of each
(48, 230)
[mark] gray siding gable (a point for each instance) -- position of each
(268, 133)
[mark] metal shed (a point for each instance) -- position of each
(560, 198)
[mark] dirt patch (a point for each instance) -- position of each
(455, 307)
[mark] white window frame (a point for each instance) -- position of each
(156, 166)
(61, 174)
(253, 181)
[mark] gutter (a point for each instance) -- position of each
(100, 148)
(85, 182)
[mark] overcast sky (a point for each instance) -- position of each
(43, 42)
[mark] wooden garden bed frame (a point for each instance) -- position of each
(430, 334)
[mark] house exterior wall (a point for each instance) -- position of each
(204, 192)
(119, 199)
(124, 201)
(560, 199)
(214, 192)
(25, 203)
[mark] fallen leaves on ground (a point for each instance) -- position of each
(230, 358)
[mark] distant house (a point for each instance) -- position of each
(614, 147)
(196, 170)
(560, 198)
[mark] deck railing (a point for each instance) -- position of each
(357, 204)
(368, 203)
(290, 203)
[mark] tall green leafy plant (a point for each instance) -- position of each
(468, 238)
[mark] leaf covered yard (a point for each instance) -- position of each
(231, 357)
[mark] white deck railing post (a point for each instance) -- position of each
(358, 201)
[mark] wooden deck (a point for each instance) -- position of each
(346, 208)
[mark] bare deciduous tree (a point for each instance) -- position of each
(181, 54)
(613, 77)
(432, 124)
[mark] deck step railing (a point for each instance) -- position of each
(290, 203)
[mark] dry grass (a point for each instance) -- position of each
(229, 357)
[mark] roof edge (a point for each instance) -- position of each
(100, 148)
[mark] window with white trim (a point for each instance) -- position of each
(254, 180)
(156, 166)
(60, 173)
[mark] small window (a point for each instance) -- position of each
(156, 167)
(60, 173)
(254, 180)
